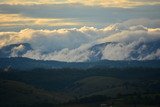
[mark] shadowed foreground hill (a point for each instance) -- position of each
(18, 94)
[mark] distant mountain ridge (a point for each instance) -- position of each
(26, 64)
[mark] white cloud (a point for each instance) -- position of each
(47, 40)
(133, 33)
(136, 50)
(75, 55)
(74, 44)
(118, 51)
(17, 49)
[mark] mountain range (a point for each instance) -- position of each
(12, 56)
(102, 51)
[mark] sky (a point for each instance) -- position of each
(65, 30)
(16, 15)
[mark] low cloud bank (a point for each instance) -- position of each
(126, 41)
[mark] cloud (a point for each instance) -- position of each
(135, 43)
(51, 16)
(30, 2)
(136, 50)
(80, 54)
(153, 55)
(124, 42)
(118, 51)
(8, 20)
(15, 50)
(50, 40)
(103, 3)
(118, 3)
(144, 22)
(125, 33)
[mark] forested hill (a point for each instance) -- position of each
(26, 64)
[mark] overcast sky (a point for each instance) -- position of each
(16, 15)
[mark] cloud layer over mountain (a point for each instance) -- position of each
(124, 41)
